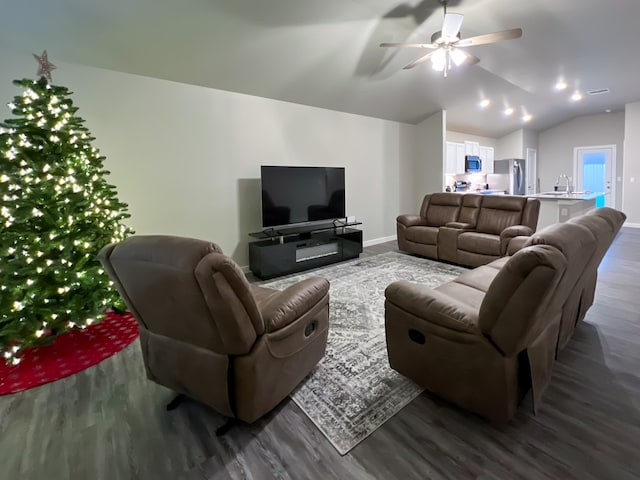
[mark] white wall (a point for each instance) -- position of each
(187, 159)
(529, 140)
(428, 166)
(510, 146)
(461, 137)
(555, 152)
(631, 169)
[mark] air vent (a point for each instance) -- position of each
(598, 91)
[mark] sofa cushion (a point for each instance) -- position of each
(481, 243)
(518, 303)
(425, 235)
(479, 278)
(500, 212)
(470, 209)
(465, 294)
(442, 208)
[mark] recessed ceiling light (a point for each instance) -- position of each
(561, 85)
(526, 117)
(576, 96)
(608, 110)
(485, 102)
(508, 111)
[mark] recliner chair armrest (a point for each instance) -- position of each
(460, 225)
(287, 306)
(511, 232)
(517, 243)
(432, 306)
(411, 220)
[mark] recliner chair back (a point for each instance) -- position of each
(178, 292)
(208, 333)
(578, 244)
(440, 208)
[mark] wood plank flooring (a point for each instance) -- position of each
(109, 422)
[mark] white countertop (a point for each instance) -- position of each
(566, 196)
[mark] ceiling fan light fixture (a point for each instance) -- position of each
(458, 56)
(438, 60)
(561, 85)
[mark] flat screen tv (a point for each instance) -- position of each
(293, 195)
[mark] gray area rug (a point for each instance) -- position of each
(353, 390)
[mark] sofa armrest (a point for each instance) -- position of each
(517, 243)
(290, 304)
(433, 306)
(511, 232)
(460, 225)
(411, 220)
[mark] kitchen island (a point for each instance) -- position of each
(558, 207)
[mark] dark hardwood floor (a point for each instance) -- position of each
(109, 421)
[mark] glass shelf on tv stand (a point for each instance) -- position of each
(277, 232)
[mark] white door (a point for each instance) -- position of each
(531, 167)
(594, 169)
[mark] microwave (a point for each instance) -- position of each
(472, 163)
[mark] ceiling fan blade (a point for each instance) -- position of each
(409, 45)
(423, 58)
(490, 38)
(451, 26)
(470, 60)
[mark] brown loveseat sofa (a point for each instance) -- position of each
(486, 338)
(471, 229)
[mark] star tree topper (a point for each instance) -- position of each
(44, 66)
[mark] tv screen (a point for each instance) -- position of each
(301, 194)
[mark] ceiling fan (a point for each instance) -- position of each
(447, 47)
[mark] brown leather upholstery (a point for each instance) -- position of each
(469, 229)
(577, 244)
(603, 224)
(501, 218)
(206, 332)
(482, 340)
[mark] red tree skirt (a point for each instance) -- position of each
(71, 353)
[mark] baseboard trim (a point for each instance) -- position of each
(376, 241)
(631, 225)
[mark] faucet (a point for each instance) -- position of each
(567, 187)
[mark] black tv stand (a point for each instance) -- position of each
(294, 249)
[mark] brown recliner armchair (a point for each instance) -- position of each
(209, 334)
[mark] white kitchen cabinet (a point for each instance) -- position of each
(454, 158)
(486, 154)
(472, 148)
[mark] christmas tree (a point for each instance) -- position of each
(57, 212)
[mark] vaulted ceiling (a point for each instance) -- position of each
(325, 53)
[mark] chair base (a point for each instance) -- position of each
(177, 400)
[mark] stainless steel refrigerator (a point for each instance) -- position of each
(509, 175)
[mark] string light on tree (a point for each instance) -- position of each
(56, 212)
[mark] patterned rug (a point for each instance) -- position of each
(353, 391)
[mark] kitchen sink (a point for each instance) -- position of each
(565, 194)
